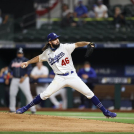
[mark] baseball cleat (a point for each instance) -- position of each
(21, 110)
(109, 114)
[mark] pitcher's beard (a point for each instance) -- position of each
(56, 46)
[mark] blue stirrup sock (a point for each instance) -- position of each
(97, 103)
(35, 101)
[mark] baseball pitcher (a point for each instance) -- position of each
(58, 56)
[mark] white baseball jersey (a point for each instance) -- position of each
(42, 71)
(61, 63)
(60, 60)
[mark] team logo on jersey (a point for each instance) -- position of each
(16, 64)
(56, 58)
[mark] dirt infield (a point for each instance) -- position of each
(44, 123)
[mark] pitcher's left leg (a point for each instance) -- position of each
(80, 86)
(77, 84)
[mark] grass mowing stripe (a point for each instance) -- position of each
(90, 114)
(66, 133)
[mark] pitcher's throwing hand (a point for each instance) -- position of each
(24, 64)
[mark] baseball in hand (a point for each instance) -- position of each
(24, 66)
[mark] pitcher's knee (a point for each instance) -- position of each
(89, 95)
(45, 95)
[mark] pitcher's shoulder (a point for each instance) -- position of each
(63, 45)
(46, 51)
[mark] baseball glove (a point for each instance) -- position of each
(90, 48)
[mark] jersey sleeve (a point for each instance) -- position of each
(69, 47)
(42, 57)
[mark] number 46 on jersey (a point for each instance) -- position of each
(65, 61)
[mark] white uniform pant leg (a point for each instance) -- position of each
(12, 93)
(25, 87)
(56, 85)
(77, 84)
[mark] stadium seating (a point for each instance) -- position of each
(98, 31)
(95, 30)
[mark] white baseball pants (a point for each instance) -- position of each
(72, 80)
(14, 88)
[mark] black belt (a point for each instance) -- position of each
(66, 74)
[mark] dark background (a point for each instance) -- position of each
(18, 8)
(105, 56)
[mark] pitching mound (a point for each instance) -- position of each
(26, 122)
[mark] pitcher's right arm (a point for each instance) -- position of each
(33, 60)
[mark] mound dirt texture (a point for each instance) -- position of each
(44, 123)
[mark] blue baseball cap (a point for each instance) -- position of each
(52, 36)
(20, 51)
